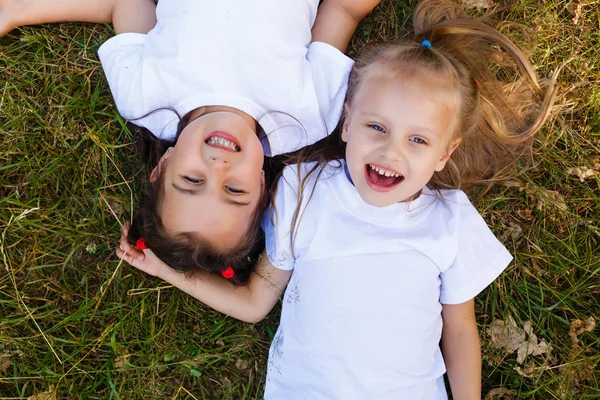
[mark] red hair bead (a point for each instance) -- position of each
(228, 273)
(141, 244)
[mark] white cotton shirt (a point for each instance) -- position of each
(361, 315)
(255, 56)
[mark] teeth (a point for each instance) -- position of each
(384, 172)
(222, 142)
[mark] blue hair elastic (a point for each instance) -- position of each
(426, 43)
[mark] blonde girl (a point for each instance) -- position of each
(221, 84)
(379, 248)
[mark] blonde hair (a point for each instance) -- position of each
(496, 120)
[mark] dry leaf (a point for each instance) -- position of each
(5, 363)
(478, 4)
(516, 229)
(583, 173)
(576, 10)
(241, 364)
(49, 395)
(546, 198)
(509, 336)
(111, 202)
(501, 393)
(506, 335)
(527, 372)
(226, 383)
(121, 361)
(220, 342)
(525, 214)
(578, 327)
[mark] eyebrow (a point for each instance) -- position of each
(195, 192)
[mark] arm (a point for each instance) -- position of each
(462, 351)
(126, 15)
(338, 19)
(249, 303)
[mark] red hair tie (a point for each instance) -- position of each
(141, 244)
(228, 273)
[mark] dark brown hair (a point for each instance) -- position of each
(187, 252)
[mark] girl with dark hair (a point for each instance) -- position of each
(225, 83)
(380, 250)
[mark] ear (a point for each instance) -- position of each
(157, 171)
(446, 156)
(346, 116)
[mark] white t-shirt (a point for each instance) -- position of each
(361, 315)
(255, 56)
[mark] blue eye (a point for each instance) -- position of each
(192, 180)
(233, 190)
(418, 140)
(377, 128)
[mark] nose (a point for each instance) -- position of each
(218, 160)
(394, 150)
(219, 164)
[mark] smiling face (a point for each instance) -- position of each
(399, 131)
(212, 179)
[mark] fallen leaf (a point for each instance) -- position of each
(509, 336)
(111, 202)
(121, 361)
(501, 393)
(220, 342)
(532, 346)
(241, 364)
(578, 327)
(506, 335)
(226, 383)
(5, 363)
(546, 198)
(478, 4)
(525, 214)
(49, 395)
(575, 9)
(583, 173)
(527, 372)
(516, 229)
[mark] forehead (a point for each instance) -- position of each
(409, 81)
(408, 95)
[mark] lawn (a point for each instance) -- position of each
(75, 322)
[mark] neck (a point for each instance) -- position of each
(198, 112)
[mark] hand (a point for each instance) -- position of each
(144, 260)
(9, 10)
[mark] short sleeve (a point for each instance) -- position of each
(121, 58)
(277, 222)
(331, 69)
(480, 257)
(278, 219)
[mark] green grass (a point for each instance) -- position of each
(74, 319)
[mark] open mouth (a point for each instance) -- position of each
(382, 179)
(223, 140)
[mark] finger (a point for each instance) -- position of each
(122, 255)
(125, 245)
(133, 261)
(125, 228)
(131, 250)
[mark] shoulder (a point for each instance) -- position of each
(453, 205)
